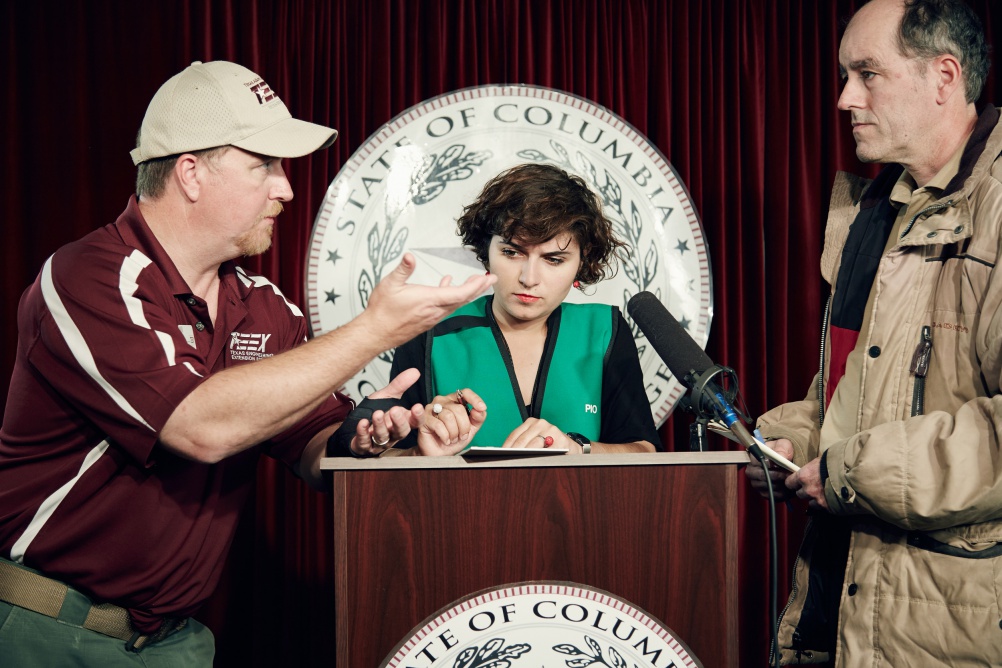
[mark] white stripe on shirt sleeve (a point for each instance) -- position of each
(261, 281)
(50, 504)
(78, 346)
(192, 369)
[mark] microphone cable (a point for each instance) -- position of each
(773, 556)
(756, 450)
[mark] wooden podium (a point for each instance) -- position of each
(415, 534)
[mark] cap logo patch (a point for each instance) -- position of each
(263, 92)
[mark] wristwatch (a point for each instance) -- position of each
(580, 440)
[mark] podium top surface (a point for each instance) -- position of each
(396, 462)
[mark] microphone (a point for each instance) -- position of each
(687, 361)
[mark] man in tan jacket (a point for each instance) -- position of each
(899, 441)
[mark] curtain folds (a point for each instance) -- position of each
(740, 96)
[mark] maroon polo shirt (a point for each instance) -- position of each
(110, 341)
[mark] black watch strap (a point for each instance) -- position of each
(581, 440)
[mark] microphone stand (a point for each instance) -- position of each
(697, 428)
(711, 399)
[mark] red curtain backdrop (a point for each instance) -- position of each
(740, 96)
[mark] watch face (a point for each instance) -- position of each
(403, 190)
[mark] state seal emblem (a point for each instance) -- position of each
(405, 187)
(541, 624)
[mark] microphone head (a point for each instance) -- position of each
(672, 343)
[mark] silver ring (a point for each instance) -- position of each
(436, 409)
(381, 445)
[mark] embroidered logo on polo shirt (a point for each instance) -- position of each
(248, 347)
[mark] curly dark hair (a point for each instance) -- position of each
(534, 203)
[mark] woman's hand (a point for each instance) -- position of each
(449, 423)
(534, 432)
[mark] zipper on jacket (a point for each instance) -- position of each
(928, 209)
(789, 602)
(920, 368)
(821, 365)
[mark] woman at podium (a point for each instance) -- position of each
(534, 372)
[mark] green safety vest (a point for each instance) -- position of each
(468, 350)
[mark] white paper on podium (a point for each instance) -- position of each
(477, 451)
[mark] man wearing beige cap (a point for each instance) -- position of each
(151, 373)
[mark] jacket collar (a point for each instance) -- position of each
(983, 146)
(949, 219)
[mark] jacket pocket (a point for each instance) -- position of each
(936, 603)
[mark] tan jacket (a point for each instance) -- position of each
(919, 498)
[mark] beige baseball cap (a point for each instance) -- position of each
(219, 104)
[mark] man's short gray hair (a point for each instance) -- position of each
(931, 28)
(152, 175)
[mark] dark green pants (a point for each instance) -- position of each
(31, 640)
